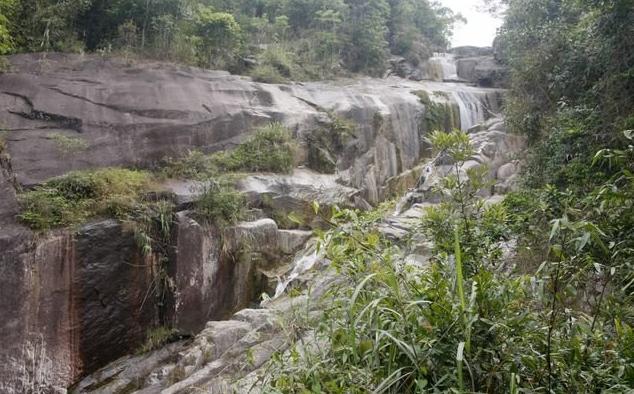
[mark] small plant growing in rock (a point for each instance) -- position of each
(69, 145)
(195, 165)
(3, 142)
(270, 149)
(157, 337)
(176, 375)
(438, 116)
(219, 203)
(325, 143)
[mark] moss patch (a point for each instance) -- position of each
(78, 196)
(326, 143)
(68, 145)
(220, 203)
(438, 116)
(157, 338)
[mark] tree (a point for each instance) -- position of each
(220, 37)
(6, 40)
(366, 45)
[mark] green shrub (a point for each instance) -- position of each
(270, 149)
(276, 64)
(195, 165)
(78, 196)
(219, 203)
(267, 74)
(68, 145)
(564, 327)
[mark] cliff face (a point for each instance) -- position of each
(137, 115)
(75, 299)
(61, 293)
(231, 355)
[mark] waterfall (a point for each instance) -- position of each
(472, 111)
(302, 263)
(442, 67)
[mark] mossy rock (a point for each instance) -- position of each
(327, 142)
(443, 116)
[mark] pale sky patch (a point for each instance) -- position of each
(480, 28)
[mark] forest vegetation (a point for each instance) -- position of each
(273, 40)
(557, 317)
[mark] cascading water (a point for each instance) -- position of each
(472, 110)
(442, 67)
(304, 262)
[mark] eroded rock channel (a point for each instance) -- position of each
(74, 300)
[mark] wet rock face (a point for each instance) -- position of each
(218, 272)
(111, 283)
(62, 294)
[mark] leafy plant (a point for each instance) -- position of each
(393, 327)
(269, 149)
(219, 203)
(479, 227)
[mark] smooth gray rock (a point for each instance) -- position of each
(483, 71)
(61, 296)
(291, 241)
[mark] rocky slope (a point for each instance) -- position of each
(75, 299)
(231, 356)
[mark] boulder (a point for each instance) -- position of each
(483, 71)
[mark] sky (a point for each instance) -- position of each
(480, 28)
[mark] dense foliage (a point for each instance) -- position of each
(272, 39)
(78, 196)
(556, 318)
(130, 195)
(572, 65)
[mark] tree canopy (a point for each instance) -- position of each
(317, 37)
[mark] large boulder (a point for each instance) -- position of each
(483, 71)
